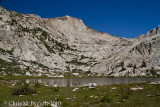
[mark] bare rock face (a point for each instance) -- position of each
(65, 44)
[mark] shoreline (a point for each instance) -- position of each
(74, 77)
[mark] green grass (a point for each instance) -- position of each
(102, 96)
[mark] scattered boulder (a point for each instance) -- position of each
(113, 88)
(75, 74)
(55, 85)
(91, 85)
(75, 89)
(136, 88)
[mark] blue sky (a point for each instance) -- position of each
(123, 18)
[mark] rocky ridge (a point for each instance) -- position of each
(39, 46)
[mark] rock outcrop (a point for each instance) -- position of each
(65, 44)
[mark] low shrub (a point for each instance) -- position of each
(130, 65)
(106, 99)
(153, 72)
(143, 64)
(124, 96)
(56, 89)
(23, 90)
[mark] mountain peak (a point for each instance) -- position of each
(67, 24)
(67, 16)
(153, 31)
(150, 33)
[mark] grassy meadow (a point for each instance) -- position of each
(119, 95)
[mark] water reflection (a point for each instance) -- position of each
(79, 82)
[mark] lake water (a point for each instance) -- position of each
(79, 82)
